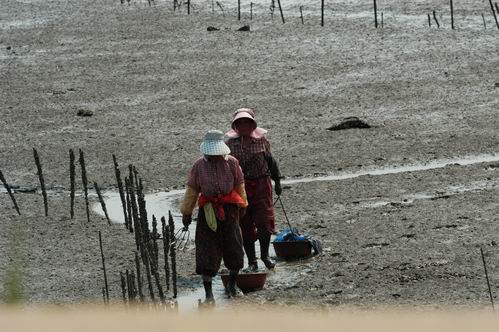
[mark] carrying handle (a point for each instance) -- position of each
(285, 214)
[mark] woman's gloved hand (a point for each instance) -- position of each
(186, 220)
(277, 187)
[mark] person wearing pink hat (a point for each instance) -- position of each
(249, 145)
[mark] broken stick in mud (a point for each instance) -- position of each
(9, 191)
(85, 182)
(42, 181)
(117, 173)
(72, 175)
(102, 203)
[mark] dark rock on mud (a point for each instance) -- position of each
(350, 123)
(244, 28)
(210, 28)
(85, 113)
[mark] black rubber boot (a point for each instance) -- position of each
(232, 290)
(209, 292)
(249, 248)
(264, 250)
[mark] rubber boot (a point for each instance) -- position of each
(249, 248)
(209, 292)
(231, 285)
(264, 250)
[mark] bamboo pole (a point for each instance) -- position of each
(85, 182)
(375, 14)
(72, 180)
(238, 10)
(9, 191)
(42, 181)
(487, 277)
(102, 202)
(166, 249)
(104, 267)
(429, 20)
(117, 173)
(484, 24)
(382, 21)
(173, 257)
(251, 11)
(301, 15)
(494, 14)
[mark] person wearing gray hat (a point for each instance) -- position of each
(216, 184)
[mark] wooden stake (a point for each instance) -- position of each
(139, 277)
(382, 21)
(435, 18)
(452, 14)
(85, 182)
(494, 14)
(301, 14)
(322, 13)
(135, 213)
(42, 181)
(375, 14)
(102, 203)
(188, 7)
(487, 277)
(128, 206)
(72, 180)
(117, 173)
(251, 11)
(148, 274)
(173, 256)
(484, 24)
(104, 267)
(129, 286)
(280, 10)
(166, 249)
(123, 286)
(9, 191)
(238, 10)
(429, 21)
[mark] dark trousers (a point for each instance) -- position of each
(225, 243)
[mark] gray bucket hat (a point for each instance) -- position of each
(213, 144)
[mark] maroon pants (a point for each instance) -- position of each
(259, 215)
(225, 243)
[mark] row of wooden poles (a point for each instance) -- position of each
(177, 5)
(72, 175)
(136, 221)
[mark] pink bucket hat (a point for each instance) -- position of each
(243, 113)
(247, 113)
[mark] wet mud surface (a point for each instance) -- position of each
(156, 82)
